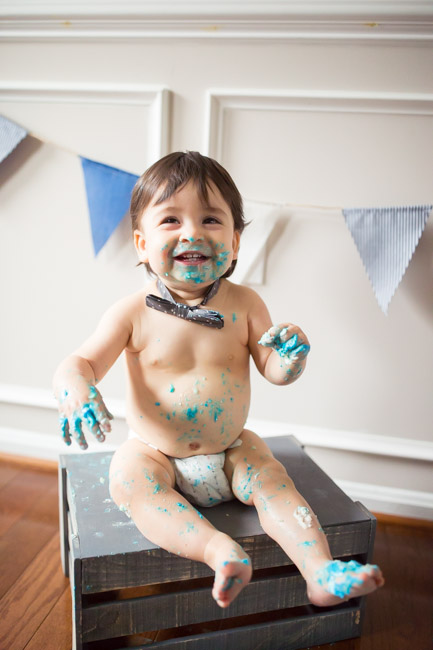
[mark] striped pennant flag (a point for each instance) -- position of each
(108, 196)
(386, 239)
(11, 135)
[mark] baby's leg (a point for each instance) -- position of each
(141, 484)
(258, 479)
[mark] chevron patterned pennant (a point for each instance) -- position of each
(11, 135)
(386, 239)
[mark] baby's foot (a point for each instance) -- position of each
(336, 581)
(232, 568)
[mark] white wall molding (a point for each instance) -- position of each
(154, 98)
(359, 442)
(390, 500)
(310, 20)
(220, 101)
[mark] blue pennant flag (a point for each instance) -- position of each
(10, 136)
(108, 197)
(386, 239)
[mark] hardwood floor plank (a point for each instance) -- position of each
(55, 633)
(29, 534)
(26, 605)
(7, 473)
(30, 462)
(35, 611)
(20, 493)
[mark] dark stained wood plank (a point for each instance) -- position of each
(28, 602)
(287, 634)
(55, 633)
(102, 621)
(29, 534)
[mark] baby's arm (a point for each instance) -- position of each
(76, 377)
(279, 351)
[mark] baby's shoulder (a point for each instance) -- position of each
(245, 297)
(127, 309)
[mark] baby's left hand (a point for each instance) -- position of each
(288, 340)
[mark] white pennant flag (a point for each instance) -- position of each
(250, 267)
(386, 239)
(11, 135)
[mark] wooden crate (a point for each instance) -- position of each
(124, 586)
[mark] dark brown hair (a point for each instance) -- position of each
(173, 172)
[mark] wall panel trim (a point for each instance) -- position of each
(220, 101)
(155, 98)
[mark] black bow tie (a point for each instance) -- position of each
(196, 313)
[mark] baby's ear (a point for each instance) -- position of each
(140, 246)
(236, 243)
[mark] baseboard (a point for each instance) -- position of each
(390, 500)
(378, 498)
(364, 443)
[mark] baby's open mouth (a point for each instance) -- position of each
(192, 257)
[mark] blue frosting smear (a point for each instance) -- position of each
(289, 348)
(338, 578)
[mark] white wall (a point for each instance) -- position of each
(303, 111)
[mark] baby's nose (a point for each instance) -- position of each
(191, 233)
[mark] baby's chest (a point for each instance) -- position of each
(170, 342)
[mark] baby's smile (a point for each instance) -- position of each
(191, 256)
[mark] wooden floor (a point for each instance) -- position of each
(35, 598)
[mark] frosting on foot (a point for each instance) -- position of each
(336, 581)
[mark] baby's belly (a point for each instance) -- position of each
(191, 413)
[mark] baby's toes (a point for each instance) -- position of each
(229, 581)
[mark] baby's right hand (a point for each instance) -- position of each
(83, 404)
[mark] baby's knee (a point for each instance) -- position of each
(119, 490)
(274, 474)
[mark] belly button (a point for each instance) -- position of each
(194, 446)
(230, 357)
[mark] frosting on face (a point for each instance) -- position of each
(186, 242)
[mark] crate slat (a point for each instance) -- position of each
(286, 634)
(157, 566)
(125, 617)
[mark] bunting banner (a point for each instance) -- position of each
(386, 239)
(11, 135)
(108, 196)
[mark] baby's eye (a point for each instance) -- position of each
(210, 220)
(170, 220)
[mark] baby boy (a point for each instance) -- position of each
(187, 340)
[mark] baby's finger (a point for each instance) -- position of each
(274, 331)
(103, 416)
(92, 422)
(289, 345)
(78, 434)
(64, 428)
(302, 350)
(269, 336)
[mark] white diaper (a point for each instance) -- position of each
(200, 478)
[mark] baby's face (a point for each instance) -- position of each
(186, 242)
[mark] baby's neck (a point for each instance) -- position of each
(188, 295)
